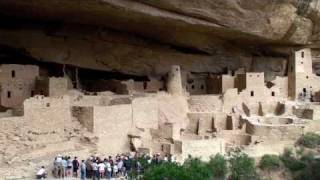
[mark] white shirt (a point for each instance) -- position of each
(165, 159)
(115, 168)
(95, 166)
(41, 171)
(108, 166)
(101, 166)
(120, 164)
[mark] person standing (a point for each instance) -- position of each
(109, 170)
(95, 170)
(75, 165)
(69, 167)
(83, 169)
(64, 163)
(101, 167)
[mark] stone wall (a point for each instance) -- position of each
(275, 132)
(17, 83)
(112, 125)
(145, 112)
(59, 86)
(47, 114)
(17, 71)
(84, 114)
(203, 148)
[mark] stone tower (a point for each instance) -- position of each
(301, 80)
(174, 83)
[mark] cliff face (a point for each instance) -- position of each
(145, 37)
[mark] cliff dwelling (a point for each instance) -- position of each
(137, 76)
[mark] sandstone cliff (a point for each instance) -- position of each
(144, 37)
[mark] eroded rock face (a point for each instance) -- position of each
(199, 35)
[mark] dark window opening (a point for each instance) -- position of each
(252, 93)
(302, 54)
(301, 62)
(202, 87)
(41, 92)
(177, 69)
(13, 74)
(307, 77)
(272, 93)
(145, 85)
(232, 73)
(32, 93)
(310, 86)
(304, 90)
(9, 94)
(48, 104)
(192, 86)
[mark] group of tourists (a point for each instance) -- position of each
(99, 168)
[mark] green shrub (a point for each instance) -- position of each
(218, 166)
(242, 167)
(290, 161)
(269, 162)
(309, 140)
(166, 171)
(197, 169)
(311, 172)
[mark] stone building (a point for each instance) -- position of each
(52, 86)
(17, 83)
(302, 81)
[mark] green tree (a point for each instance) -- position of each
(197, 169)
(218, 166)
(242, 167)
(309, 140)
(290, 161)
(269, 162)
(166, 171)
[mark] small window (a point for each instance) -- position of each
(301, 62)
(252, 93)
(192, 87)
(32, 93)
(258, 75)
(177, 69)
(304, 90)
(232, 73)
(9, 94)
(307, 77)
(41, 92)
(302, 54)
(145, 85)
(48, 104)
(272, 93)
(202, 87)
(310, 87)
(13, 74)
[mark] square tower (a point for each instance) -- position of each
(301, 80)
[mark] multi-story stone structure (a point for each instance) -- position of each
(17, 83)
